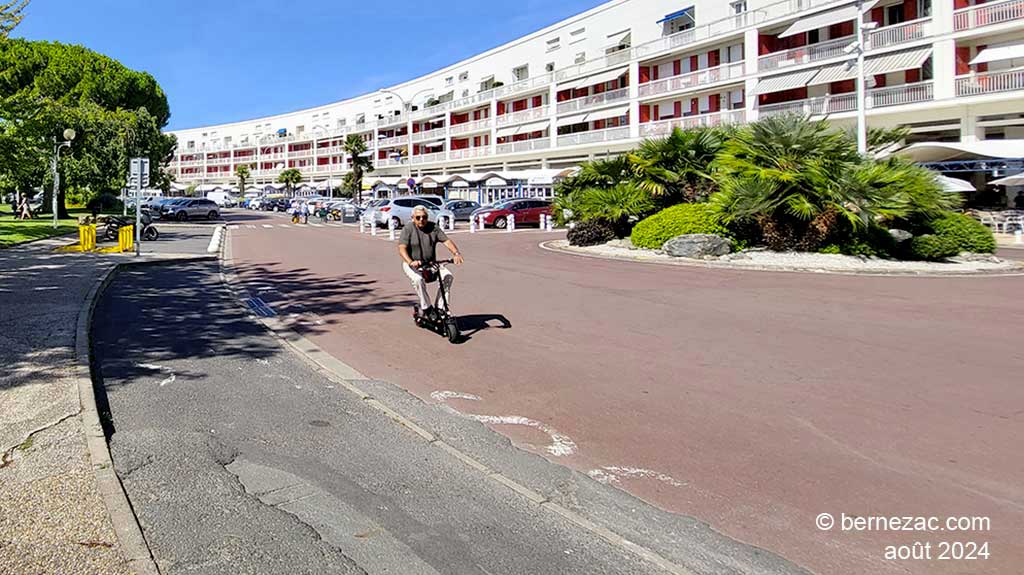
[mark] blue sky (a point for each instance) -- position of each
(229, 60)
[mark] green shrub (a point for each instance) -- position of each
(966, 233)
(933, 247)
(591, 233)
(653, 232)
(831, 249)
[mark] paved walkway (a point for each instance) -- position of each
(52, 519)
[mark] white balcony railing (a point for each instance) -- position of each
(523, 85)
(804, 54)
(435, 133)
(594, 101)
(665, 127)
(988, 14)
(523, 116)
(524, 146)
(330, 151)
(479, 97)
(467, 153)
(606, 135)
(427, 158)
(393, 141)
(389, 162)
(434, 110)
(393, 120)
(467, 127)
(990, 82)
(692, 79)
(595, 65)
(300, 153)
(838, 104)
(900, 34)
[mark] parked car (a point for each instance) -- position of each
(526, 211)
(461, 208)
(190, 209)
(275, 204)
(434, 199)
(400, 210)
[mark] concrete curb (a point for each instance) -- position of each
(133, 543)
(549, 246)
(129, 534)
(343, 375)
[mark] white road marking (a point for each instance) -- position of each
(561, 445)
(267, 226)
(232, 227)
(250, 226)
(611, 475)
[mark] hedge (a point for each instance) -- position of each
(966, 233)
(654, 231)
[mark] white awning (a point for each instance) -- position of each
(825, 19)
(506, 132)
(996, 53)
(533, 127)
(597, 78)
(570, 120)
(897, 61)
(459, 184)
(784, 82)
(1014, 180)
(609, 113)
(925, 152)
(955, 185)
(386, 181)
(893, 62)
(433, 145)
(618, 38)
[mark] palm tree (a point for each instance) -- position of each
(242, 173)
(355, 147)
(678, 167)
(290, 178)
(785, 174)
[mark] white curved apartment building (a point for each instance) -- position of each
(601, 81)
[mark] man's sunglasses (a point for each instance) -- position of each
(419, 217)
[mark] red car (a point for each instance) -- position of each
(526, 210)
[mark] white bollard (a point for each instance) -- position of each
(551, 223)
(362, 224)
(451, 223)
(373, 227)
(1018, 237)
(483, 223)
(543, 222)
(472, 225)
(391, 229)
(511, 224)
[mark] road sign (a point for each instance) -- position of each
(138, 175)
(411, 183)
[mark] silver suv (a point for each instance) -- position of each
(400, 210)
(190, 209)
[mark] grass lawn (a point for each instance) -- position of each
(13, 231)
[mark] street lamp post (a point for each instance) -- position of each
(861, 29)
(69, 135)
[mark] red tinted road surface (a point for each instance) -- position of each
(753, 401)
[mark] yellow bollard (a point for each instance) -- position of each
(92, 237)
(126, 238)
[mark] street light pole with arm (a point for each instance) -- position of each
(69, 135)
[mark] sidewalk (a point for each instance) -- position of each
(52, 517)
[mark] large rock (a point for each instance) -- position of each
(900, 236)
(697, 246)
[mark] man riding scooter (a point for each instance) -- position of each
(417, 247)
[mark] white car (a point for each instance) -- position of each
(400, 211)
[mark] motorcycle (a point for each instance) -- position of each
(442, 321)
(115, 223)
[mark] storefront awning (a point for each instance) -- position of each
(997, 53)
(784, 82)
(825, 19)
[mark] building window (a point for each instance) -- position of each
(581, 57)
(924, 8)
(464, 76)
(553, 44)
(549, 67)
(521, 72)
(449, 80)
(679, 21)
(739, 7)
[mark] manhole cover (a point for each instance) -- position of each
(319, 423)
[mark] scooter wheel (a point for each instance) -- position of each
(451, 328)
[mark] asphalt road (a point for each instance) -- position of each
(239, 458)
(753, 401)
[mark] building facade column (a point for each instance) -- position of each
(634, 100)
(751, 51)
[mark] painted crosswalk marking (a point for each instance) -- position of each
(267, 226)
(232, 227)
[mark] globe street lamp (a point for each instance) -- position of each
(69, 135)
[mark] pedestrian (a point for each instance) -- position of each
(24, 211)
(305, 212)
(1018, 202)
